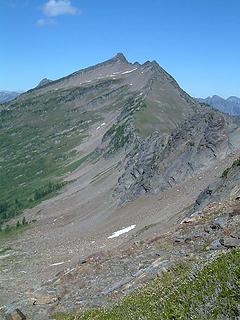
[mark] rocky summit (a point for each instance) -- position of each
(112, 177)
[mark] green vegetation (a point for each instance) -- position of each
(40, 133)
(236, 163)
(191, 143)
(225, 173)
(158, 116)
(4, 250)
(149, 119)
(46, 190)
(38, 137)
(12, 230)
(75, 164)
(119, 136)
(110, 132)
(12, 208)
(184, 292)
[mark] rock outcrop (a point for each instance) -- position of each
(43, 82)
(226, 187)
(161, 161)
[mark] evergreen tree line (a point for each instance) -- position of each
(10, 209)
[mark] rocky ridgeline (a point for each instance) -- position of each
(43, 82)
(161, 161)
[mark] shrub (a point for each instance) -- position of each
(49, 188)
(3, 206)
(236, 163)
(225, 173)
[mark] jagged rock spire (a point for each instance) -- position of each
(120, 56)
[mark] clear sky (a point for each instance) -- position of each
(197, 41)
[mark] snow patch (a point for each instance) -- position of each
(129, 71)
(103, 124)
(69, 271)
(122, 231)
(56, 264)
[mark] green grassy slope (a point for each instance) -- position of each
(38, 134)
(165, 108)
(185, 292)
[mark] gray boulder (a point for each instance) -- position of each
(231, 242)
(216, 244)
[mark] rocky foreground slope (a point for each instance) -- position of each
(111, 148)
(195, 241)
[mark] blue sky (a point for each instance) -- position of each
(197, 41)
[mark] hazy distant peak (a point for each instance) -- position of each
(230, 105)
(233, 99)
(6, 96)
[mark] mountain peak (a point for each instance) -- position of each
(233, 99)
(43, 82)
(120, 56)
(215, 96)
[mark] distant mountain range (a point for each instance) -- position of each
(6, 96)
(230, 105)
